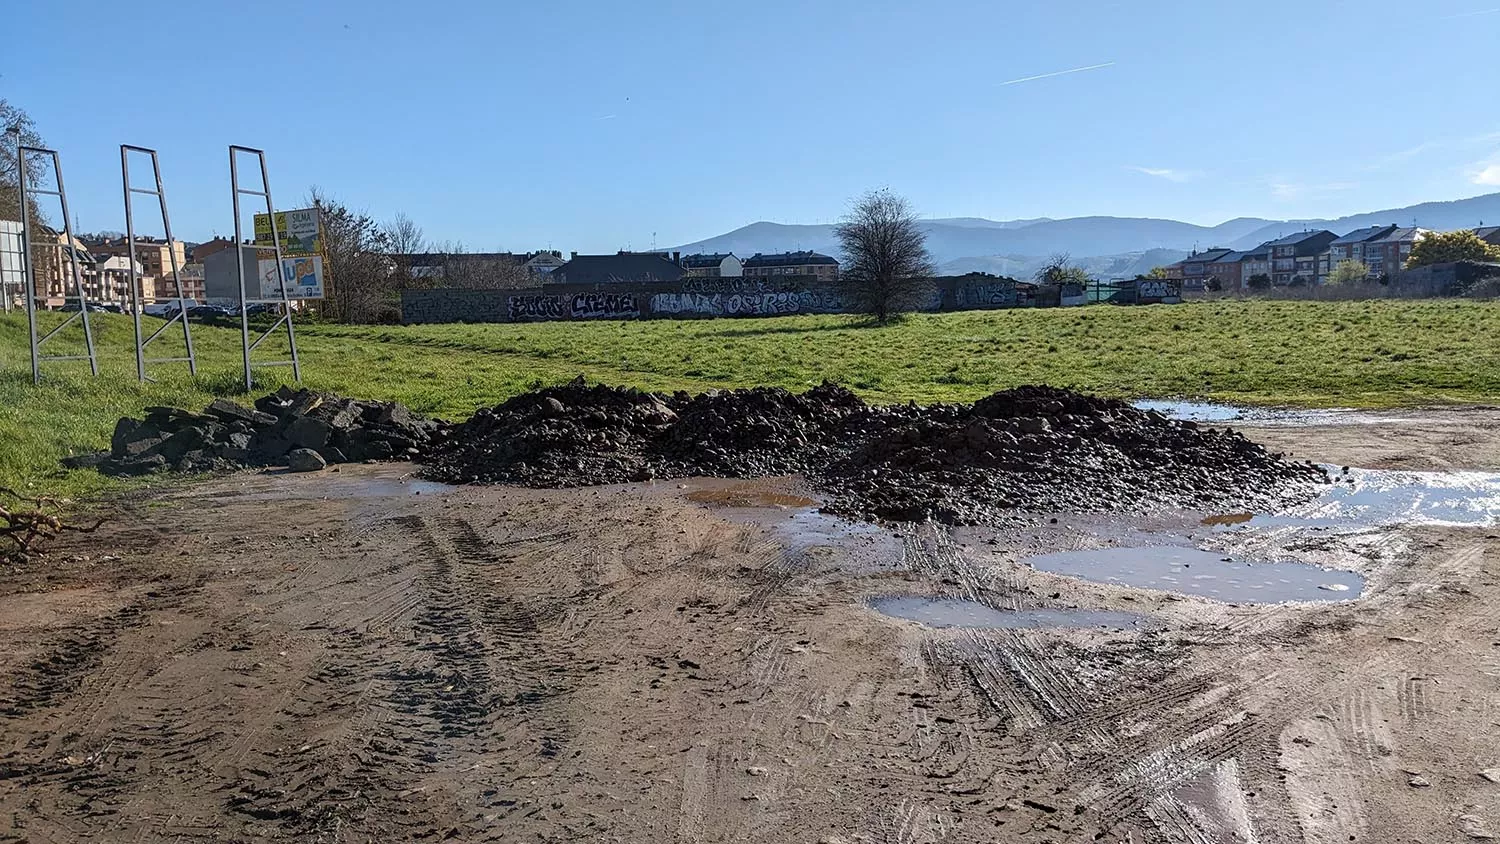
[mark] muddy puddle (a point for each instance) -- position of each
(954, 612)
(351, 484)
(1206, 574)
(746, 498)
(1212, 413)
(1370, 498)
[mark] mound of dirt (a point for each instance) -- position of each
(1029, 448)
(1044, 449)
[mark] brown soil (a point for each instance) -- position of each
(350, 656)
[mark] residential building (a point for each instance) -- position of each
(155, 255)
(1228, 270)
(198, 254)
(621, 267)
(1351, 247)
(1489, 234)
(1295, 258)
(108, 282)
(1193, 270)
(191, 274)
(792, 263)
(1257, 262)
(1386, 255)
(716, 265)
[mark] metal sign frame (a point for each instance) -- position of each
(29, 279)
(239, 245)
(181, 314)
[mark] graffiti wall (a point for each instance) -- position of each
(707, 298)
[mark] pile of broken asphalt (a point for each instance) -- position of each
(1038, 449)
(299, 429)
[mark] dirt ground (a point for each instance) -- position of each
(353, 656)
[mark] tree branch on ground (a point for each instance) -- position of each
(29, 523)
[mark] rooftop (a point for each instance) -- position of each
(1363, 235)
(788, 259)
(622, 266)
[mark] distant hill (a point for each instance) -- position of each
(1110, 246)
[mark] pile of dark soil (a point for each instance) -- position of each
(1044, 449)
(1030, 448)
(299, 429)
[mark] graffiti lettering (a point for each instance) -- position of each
(598, 305)
(534, 307)
(1000, 293)
(727, 304)
(746, 284)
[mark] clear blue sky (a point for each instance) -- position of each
(591, 125)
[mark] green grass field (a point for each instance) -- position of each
(1372, 354)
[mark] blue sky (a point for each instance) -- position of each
(600, 125)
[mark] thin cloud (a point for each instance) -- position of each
(1470, 14)
(1466, 142)
(1487, 173)
(1168, 173)
(607, 117)
(1288, 191)
(1057, 73)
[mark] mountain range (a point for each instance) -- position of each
(1108, 247)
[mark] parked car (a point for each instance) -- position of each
(94, 308)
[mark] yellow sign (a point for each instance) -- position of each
(298, 232)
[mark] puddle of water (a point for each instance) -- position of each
(1366, 498)
(1205, 574)
(953, 612)
(334, 485)
(1209, 412)
(1192, 410)
(748, 498)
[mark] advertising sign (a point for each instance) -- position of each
(298, 231)
(304, 277)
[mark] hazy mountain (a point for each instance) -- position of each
(1127, 265)
(1113, 245)
(1440, 216)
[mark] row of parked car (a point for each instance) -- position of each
(199, 313)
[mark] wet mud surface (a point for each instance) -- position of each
(361, 656)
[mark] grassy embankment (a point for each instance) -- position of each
(1377, 353)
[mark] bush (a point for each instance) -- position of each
(1260, 281)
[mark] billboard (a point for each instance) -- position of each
(304, 277)
(298, 231)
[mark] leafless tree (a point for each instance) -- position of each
(885, 254)
(359, 277)
(482, 271)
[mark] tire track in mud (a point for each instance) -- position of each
(475, 675)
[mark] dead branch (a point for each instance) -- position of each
(24, 528)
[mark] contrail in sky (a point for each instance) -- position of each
(1469, 14)
(1057, 73)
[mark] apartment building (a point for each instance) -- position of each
(1351, 247)
(1194, 270)
(713, 265)
(155, 256)
(792, 263)
(1386, 255)
(1297, 257)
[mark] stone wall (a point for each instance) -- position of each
(705, 297)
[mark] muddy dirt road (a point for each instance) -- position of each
(357, 657)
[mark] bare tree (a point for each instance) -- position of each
(482, 270)
(885, 254)
(359, 283)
